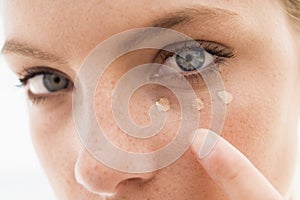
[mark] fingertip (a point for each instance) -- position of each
(230, 169)
(204, 143)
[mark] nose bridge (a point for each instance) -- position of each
(99, 178)
(94, 175)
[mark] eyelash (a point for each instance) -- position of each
(219, 51)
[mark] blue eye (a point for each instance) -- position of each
(187, 58)
(192, 55)
(190, 59)
(44, 81)
(53, 82)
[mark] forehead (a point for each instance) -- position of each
(105, 14)
(73, 29)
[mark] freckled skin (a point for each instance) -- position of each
(261, 121)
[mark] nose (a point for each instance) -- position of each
(100, 179)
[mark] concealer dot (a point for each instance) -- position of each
(198, 104)
(225, 96)
(163, 104)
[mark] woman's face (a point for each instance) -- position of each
(262, 75)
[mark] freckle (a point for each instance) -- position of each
(163, 104)
(198, 104)
(225, 96)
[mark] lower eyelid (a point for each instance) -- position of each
(38, 98)
(35, 99)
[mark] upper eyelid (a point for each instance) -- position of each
(29, 73)
(205, 44)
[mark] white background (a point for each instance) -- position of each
(21, 176)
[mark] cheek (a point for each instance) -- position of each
(138, 106)
(261, 121)
(56, 144)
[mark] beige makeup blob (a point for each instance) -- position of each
(225, 96)
(163, 104)
(198, 104)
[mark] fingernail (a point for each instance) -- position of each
(210, 140)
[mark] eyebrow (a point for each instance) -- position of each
(19, 48)
(203, 15)
(169, 20)
(186, 15)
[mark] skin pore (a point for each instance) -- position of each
(263, 77)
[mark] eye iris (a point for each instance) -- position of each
(54, 82)
(190, 59)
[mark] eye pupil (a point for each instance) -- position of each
(54, 82)
(56, 79)
(190, 59)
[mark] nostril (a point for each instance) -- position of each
(131, 182)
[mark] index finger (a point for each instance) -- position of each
(230, 169)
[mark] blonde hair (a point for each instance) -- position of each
(293, 8)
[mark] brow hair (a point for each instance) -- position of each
(186, 15)
(23, 49)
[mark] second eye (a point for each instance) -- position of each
(47, 83)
